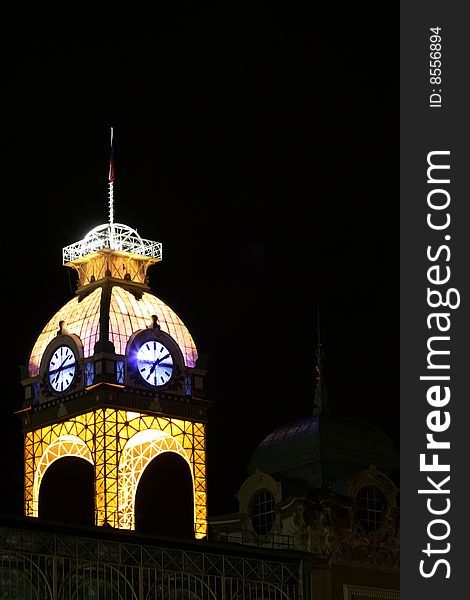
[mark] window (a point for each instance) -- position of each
(89, 373)
(36, 388)
(263, 512)
(371, 506)
(120, 371)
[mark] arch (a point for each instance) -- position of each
(164, 501)
(256, 482)
(117, 237)
(91, 580)
(67, 492)
(261, 591)
(136, 455)
(63, 446)
(180, 587)
(20, 578)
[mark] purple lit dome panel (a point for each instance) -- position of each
(82, 319)
(127, 314)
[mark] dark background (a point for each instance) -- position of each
(265, 166)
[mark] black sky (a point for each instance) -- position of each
(265, 165)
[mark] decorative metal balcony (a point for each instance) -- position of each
(115, 236)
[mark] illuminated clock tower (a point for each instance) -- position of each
(112, 379)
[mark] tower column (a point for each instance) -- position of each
(106, 468)
(199, 466)
(29, 468)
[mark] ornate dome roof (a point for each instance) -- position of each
(125, 313)
(324, 450)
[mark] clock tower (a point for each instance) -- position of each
(113, 379)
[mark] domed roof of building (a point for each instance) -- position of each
(324, 450)
(113, 299)
(126, 312)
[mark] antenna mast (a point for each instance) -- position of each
(318, 320)
(111, 194)
(320, 400)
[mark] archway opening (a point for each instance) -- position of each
(67, 492)
(164, 500)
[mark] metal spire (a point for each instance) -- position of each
(111, 235)
(320, 400)
(111, 193)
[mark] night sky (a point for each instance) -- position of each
(266, 167)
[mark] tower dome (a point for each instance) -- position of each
(113, 299)
(324, 450)
(116, 311)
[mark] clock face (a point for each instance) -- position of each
(155, 363)
(62, 367)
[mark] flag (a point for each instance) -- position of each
(111, 160)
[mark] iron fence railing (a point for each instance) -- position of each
(51, 566)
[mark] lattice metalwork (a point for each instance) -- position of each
(120, 444)
(44, 565)
(116, 236)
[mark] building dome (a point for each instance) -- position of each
(324, 450)
(119, 311)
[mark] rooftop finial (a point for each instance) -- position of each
(96, 254)
(111, 193)
(321, 397)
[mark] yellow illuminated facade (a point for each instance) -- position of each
(119, 444)
(106, 411)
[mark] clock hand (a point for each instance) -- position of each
(157, 362)
(63, 363)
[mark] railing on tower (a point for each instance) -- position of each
(117, 237)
